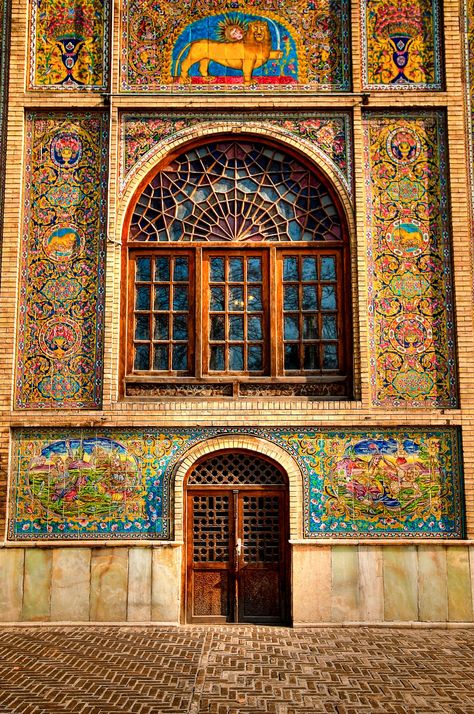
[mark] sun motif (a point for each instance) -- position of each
(232, 29)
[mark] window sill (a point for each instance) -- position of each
(152, 388)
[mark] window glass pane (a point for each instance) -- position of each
(254, 270)
(255, 360)
(180, 298)
(217, 327)
(142, 327)
(329, 327)
(291, 357)
(291, 298)
(236, 270)
(180, 328)
(181, 270)
(236, 299)
(292, 331)
(180, 357)
(309, 269)
(311, 357)
(217, 299)
(328, 268)
(217, 270)
(290, 269)
(236, 358)
(236, 328)
(162, 297)
(161, 327)
(142, 297)
(255, 299)
(254, 329)
(310, 300)
(160, 361)
(142, 357)
(328, 297)
(310, 327)
(330, 360)
(162, 270)
(216, 360)
(143, 269)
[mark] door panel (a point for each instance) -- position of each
(237, 560)
(259, 569)
(210, 537)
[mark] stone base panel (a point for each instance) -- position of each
(331, 584)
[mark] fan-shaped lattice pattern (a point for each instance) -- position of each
(233, 191)
(236, 470)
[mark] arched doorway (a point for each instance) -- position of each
(237, 567)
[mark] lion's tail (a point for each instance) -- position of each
(176, 63)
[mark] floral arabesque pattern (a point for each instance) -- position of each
(70, 44)
(59, 356)
(412, 346)
(401, 44)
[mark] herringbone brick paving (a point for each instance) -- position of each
(235, 670)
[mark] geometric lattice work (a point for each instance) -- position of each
(261, 529)
(239, 469)
(211, 529)
(235, 191)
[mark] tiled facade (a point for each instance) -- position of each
(377, 96)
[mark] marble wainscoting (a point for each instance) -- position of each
(414, 583)
(389, 583)
(90, 584)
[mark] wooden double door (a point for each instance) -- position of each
(237, 541)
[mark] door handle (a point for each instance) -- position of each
(238, 547)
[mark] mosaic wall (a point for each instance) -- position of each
(401, 44)
(412, 343)
(59, 360)
(117, 483)
(204, 45)
(69, 44)
(5, 13)
(142, 134)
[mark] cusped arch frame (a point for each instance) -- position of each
(239, 442)
(179, 142)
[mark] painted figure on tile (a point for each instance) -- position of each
(258, 44)
(93, 477)
(402, 43)
(69, 42)
(116, 483)
(243, 48)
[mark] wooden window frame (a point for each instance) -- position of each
(272, 261)
(153, 385)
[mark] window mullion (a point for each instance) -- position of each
(272, 342)
(200, 310)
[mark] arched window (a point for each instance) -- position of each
(238, 275)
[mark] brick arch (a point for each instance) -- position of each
(235, 442)
(212, 130)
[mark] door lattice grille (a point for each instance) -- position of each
(210, 529)
(261, 529)
(236, 470)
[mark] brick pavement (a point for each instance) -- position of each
(235, 670)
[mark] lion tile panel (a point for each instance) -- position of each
(69, 48)
(59, 354)
(253, 46)
(411, 320)
(117, 483)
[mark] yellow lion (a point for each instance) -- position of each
(251, 52)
